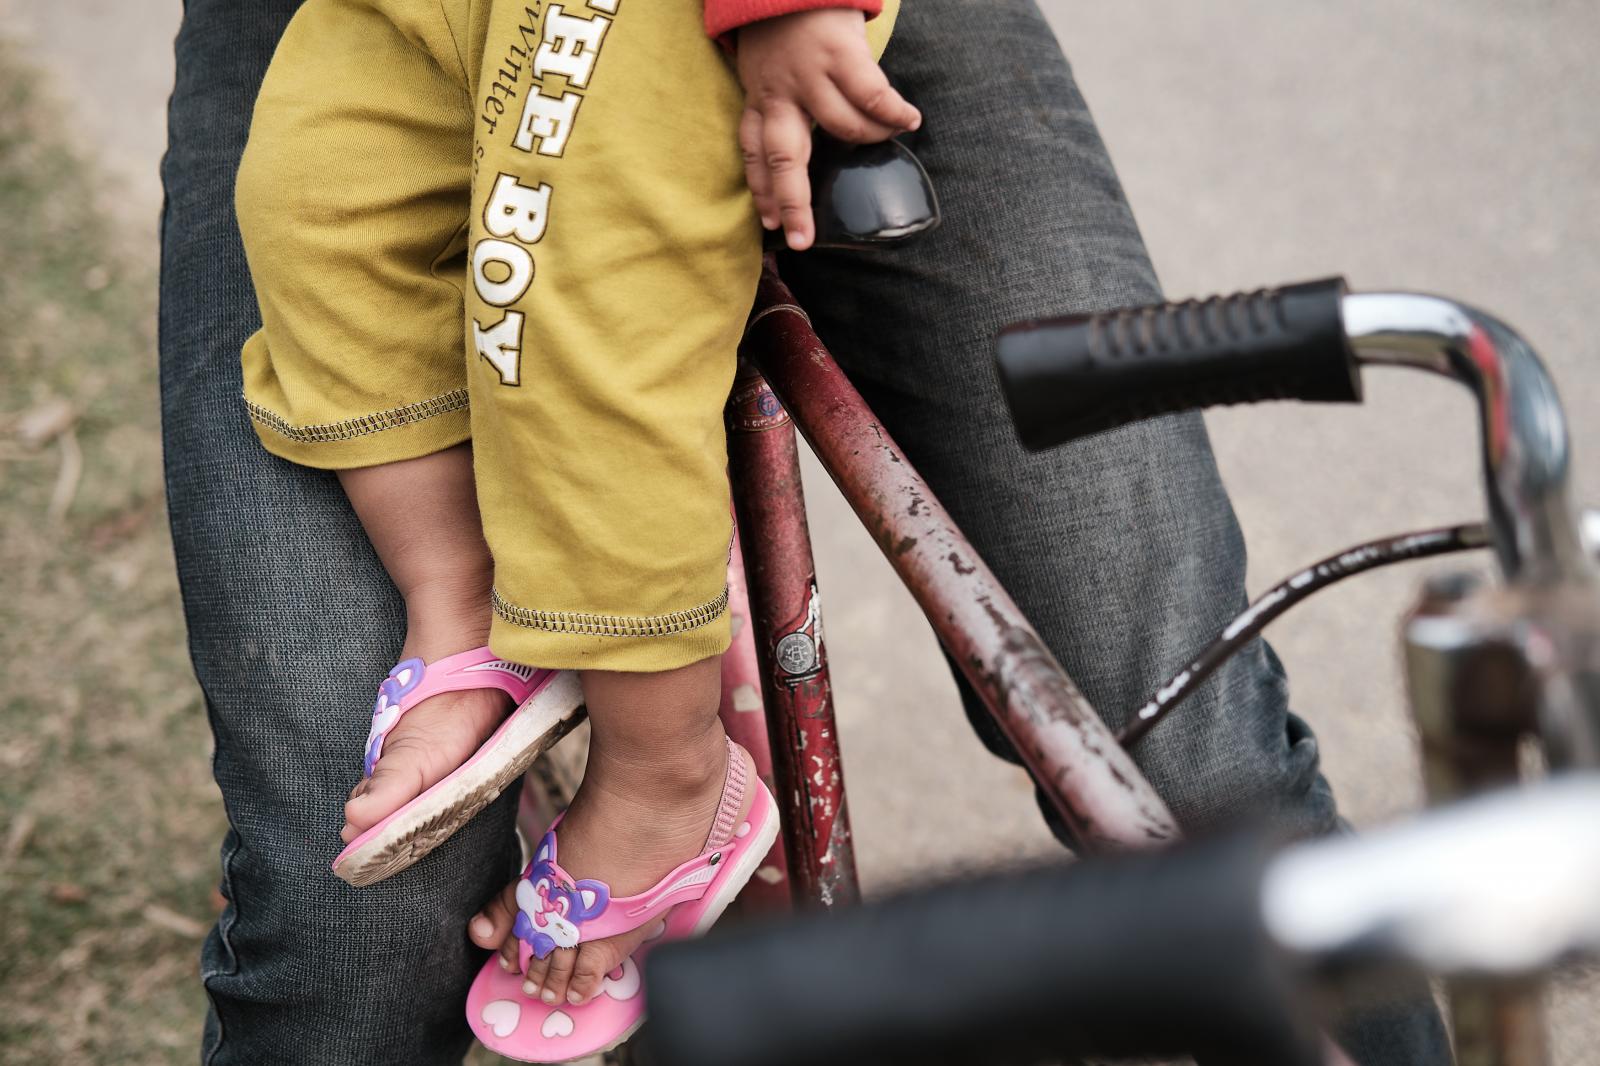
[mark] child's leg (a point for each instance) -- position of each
(614, 256)
(625, 250)
(352, 200)
(422, 518)
(656, 749)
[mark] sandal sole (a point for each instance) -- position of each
(399, 841)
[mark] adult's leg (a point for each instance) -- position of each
(292, 622)
(1122, 549)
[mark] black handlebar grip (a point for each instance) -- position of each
(1069, 377)
(1132, 955)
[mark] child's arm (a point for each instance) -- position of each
(809, 65)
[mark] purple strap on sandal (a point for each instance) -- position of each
(412, 681)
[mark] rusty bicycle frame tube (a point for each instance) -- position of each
(743, 714)
(1087, 775)
(764, 465)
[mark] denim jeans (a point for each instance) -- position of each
(1123, 549)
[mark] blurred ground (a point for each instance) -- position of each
(1448, 146)
(111, 819)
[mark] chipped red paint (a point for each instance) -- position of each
(743, 713)
(1090, 779)
(763, 462)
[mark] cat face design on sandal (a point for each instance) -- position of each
(550, 907)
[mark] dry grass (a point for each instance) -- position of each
(110, 819)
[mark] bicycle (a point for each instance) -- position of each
(1489, 669)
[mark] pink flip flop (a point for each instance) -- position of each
(549, 704)
(555, 910)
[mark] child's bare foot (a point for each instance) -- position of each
(638, 814)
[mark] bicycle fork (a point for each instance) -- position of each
(1473, 697)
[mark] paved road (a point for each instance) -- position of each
(1445, 146)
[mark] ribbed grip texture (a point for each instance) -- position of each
(1069, 377)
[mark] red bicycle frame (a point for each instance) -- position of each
(788, 379)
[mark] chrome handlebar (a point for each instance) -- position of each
(1496, 886)
(1526, 453)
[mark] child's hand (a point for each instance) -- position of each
(811, 65)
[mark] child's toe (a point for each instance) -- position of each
(395, 780)
(594, 962)
(491, 927)
(536, 974)
(554, 986)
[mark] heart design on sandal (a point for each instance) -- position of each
(623, 982)
(502, 1016)
(557, 1023)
